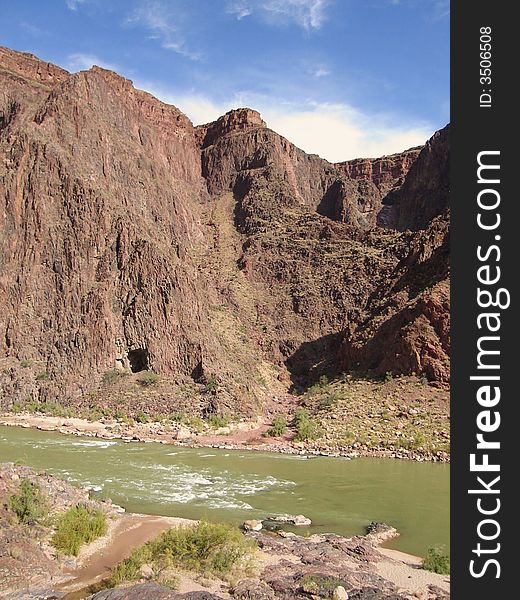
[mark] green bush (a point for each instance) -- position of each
(306, 427)
(79, 525)
(42, 376)
(191, 421)
(211, 548)
(437, 561)
(211, 385)
(142, 417)
(217, 421)
(112, 376)
(318, 387)
(328, 401)
(323, 380)
(301, 414)
(29, 504)
(129, 569)
(278, 427)
(120, 415)
(148, 379)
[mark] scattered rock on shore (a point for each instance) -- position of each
(297, 520)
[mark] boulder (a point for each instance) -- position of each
(146, 571)
(340, 593)
(252, 525)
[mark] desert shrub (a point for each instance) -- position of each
(190, 421)
(319, 386)
(16, 408)
(29, 503)
(79, 525)
(328, 401)
(211, 385)
(129, 569)
(55, 409)
(323, 380)
(437, 561)
(120, 415)
(42, 376)
(306, 427)
(217, 421)
(112, 376)
(212, 548)
(142, 417)
(91, 414)
(278, 427)
(148, 379)
(25, 363)
(308, 430)
(301, 414)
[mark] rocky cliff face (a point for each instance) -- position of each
(130, 239)
(424, 192)
(408, 327)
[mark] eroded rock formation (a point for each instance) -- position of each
(131, 239)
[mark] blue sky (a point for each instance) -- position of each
(340, 78)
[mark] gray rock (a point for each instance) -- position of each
(253, 589)
(252, 525)
(298, 520)
(150, 591)
(146, 572)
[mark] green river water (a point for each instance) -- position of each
(340, 496)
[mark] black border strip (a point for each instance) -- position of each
(479, 127)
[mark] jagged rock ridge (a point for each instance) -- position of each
(132, 239)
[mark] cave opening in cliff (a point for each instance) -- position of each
(138, 359)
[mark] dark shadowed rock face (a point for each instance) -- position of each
(130, 237)
(424, 192)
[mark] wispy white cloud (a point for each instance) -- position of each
(336, 132)
(321, 72)
(81, 62)
(157, 19)
(309, 14)
(73, 4)
(32, 29)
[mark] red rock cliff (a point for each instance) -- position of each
(125, 230)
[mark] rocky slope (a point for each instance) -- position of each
(27, 558)
(218, 256)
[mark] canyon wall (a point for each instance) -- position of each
(131, 239)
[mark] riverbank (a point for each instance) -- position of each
(284, 564)
(96, 561)
(249, 435)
